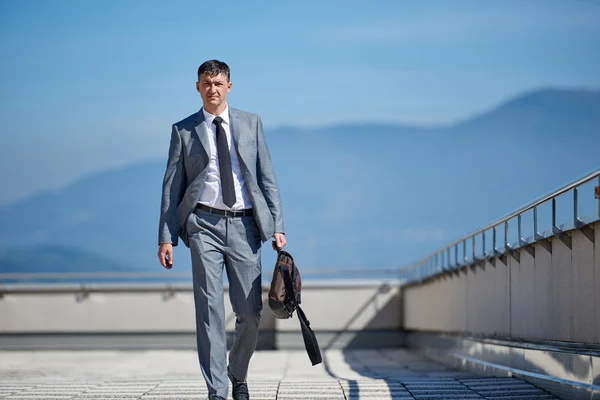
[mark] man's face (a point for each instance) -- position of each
(213, 89)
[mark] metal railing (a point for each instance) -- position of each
(448, 258)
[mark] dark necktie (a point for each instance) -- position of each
(227, 187)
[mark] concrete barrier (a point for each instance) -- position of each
(344, 314)
(544, 295)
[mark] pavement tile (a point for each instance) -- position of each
(488, 379)
(38, 396)
(516, 392)
(448, 397)
(512, 385)
(541, 397)
(175, 397)
(393, 374)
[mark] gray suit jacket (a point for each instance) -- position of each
(187, 168)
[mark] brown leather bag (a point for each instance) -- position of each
(284, 299)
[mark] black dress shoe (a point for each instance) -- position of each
(215, 397)
(240, 392)
(239, 389)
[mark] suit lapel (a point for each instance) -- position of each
(201, 131)
(235, 126)
(236, 129)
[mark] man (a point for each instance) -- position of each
(220, 196)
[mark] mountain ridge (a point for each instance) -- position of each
(535, 94)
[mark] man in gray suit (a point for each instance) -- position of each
(220, 196)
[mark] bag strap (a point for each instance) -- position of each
(308, 335)
(289, 285)
(310, 339)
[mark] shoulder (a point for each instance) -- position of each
(244, 115)
(188, 123)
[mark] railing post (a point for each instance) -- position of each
(575, 213)
(520, 238)
(598, 196)
(483, 244)
(456, 255)
(554, 212)
(429, 266)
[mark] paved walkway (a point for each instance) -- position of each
(174, 375)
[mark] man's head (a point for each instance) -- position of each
(213, 85)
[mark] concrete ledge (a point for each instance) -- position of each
(97, 341)
(570, 372)
(99, 309)
(267, 340)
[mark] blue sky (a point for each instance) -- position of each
(94, 85)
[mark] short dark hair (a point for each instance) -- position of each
(213, 68)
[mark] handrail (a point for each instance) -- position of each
(526, 208)
(531, 206)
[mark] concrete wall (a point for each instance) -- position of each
(549, 296)
(329, 307)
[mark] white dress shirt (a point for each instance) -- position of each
(211, 193)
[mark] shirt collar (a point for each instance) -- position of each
(208, 117)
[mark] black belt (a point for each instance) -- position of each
(225, 213)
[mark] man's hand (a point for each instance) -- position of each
(279, 242)
(165, 255)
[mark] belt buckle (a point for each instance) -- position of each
(227, 213)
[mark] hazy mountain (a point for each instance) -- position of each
(544, 113)
(56, 258)
(367, 195)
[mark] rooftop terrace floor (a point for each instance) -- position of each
(287, 374)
